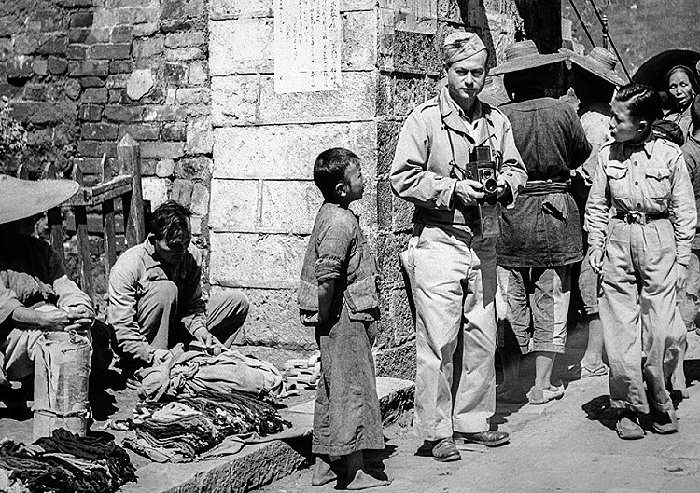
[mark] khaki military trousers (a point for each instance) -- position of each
(638, 311)
(454, 289)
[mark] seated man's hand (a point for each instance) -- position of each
(469, 191)
(80, 317)
(205, 337)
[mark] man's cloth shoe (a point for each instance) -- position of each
(443, 450)
(628, 429)
(488, 438)
(665, 423)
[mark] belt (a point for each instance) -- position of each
(635, 217)
(544, 187)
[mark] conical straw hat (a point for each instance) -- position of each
(599, 62)
(24, 198)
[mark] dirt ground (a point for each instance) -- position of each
(566, 445)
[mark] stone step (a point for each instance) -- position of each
(261, 463)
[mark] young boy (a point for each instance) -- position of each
(338, 294)
(642, 254)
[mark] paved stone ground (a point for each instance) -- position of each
(555, 447)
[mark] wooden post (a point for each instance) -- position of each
(130, 162)
(55, 220)
(81, 227)
(110, 234)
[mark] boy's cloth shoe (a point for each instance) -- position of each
(665, 423)
(443, 450)
(601, 371)
(488, 438)
(628, 429)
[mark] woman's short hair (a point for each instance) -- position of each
(329, 169)
(643, 101)
(170, 222)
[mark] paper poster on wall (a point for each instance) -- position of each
(307, 44)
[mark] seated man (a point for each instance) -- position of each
(35, 293)
(155, 294)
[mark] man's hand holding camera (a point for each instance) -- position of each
(470, 192)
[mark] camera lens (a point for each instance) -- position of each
(490, 186)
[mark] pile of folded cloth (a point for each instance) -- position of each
(65, 463)
(194, 371)
(192, 425)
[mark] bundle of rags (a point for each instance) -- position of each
(67, 463)
(194, 425)
(196, 371)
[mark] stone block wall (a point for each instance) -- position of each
(263, 199)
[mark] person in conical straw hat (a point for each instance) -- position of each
(450, 260)
(35, 293)
(594, 81)
(540, 237)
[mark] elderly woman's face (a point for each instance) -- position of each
(680, 88)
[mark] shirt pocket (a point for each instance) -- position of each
(658, 180)
(617, 173)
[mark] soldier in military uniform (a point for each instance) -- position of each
(452, 265)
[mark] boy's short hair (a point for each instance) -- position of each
(643, 101)
(695, 111)
(329, 169)
(170, 222)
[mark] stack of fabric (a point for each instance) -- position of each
(182, 430)
(303, 373)
(195, 371)
(66, 463)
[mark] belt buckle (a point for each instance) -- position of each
(636, 217)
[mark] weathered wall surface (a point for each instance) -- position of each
(263, 197)
(639, 28)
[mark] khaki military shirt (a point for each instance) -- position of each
(130, 278)
(650, 177)
(436, 133)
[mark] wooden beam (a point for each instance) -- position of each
(130, 161)
(110, 235)
(85, 263)
(102, 192)
(55, 220)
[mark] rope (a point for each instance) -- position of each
(612, 44)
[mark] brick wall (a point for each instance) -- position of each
(82, 73)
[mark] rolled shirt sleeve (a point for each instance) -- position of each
(597, 208)
(121, 309)
(682, 210)
(68, 292)
(410, 179)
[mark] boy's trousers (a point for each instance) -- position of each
(454, 291)
(639, 313)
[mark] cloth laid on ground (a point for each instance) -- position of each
(196, 371)
(192, 425)
(67, 463)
